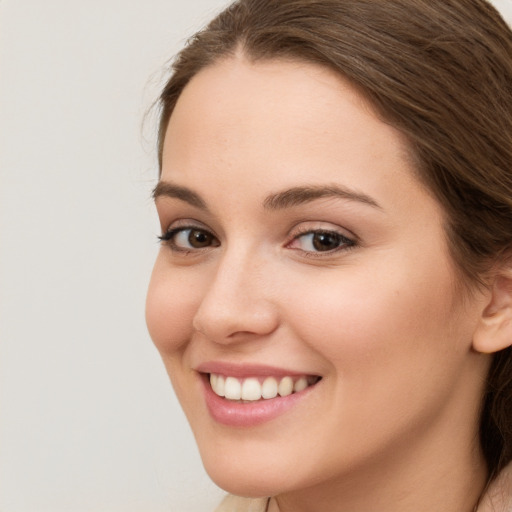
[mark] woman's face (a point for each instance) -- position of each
(301, 250)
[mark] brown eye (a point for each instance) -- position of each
(197, 238)
(189, 239)
(321, 241)
(325, 241)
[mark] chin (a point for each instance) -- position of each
(248, 477)
(247, 485)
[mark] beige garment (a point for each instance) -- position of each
(497, 499)
(236, 504)
(499, 496)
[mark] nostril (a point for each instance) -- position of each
(235, 323)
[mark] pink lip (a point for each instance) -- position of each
(236, 414)
(245, 370)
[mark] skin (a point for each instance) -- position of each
(381, 319)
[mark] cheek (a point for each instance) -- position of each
(390, 350)
(385, 329)
(171, 304)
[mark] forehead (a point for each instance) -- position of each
(284, 123)
(237, 87)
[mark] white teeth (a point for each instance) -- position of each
(233, 389)
(285, 386)
(251, 389)
(269, 388)
(218, 384)
(301, 384)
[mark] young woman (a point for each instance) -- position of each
(333, 295)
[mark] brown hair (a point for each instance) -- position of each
(440, 71)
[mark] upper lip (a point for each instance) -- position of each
(246, 370)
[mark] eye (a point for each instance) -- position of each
(189, 238)
(321, 241)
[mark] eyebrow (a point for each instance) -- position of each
(299, 195)
(289, 198)
(164, 188)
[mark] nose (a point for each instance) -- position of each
(237, 304)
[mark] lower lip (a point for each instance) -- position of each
(235, 414)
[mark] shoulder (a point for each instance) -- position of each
(237, 504)
(498, 497)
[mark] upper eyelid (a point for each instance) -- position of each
(302, 228)
(317, 231)
(352, 241)
(177, 229)
(184, 224)
(170, 212)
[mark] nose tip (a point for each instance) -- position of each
(235, 307)
(224, 325)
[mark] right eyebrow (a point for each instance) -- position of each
(167, 189)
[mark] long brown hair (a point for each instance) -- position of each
(440, 71)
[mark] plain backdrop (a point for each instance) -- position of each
(88, 420)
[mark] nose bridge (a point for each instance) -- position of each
(237, 299)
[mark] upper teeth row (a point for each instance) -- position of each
(251, 388)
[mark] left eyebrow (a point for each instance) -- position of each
(299, 195)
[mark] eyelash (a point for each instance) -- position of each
(168, 238)
(344, 243)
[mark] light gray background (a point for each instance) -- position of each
(88, 418)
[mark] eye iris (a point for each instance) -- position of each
(198, 239)
(325, 241)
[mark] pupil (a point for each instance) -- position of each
(199, 239)
(325, 241)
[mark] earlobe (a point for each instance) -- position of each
(494, 330)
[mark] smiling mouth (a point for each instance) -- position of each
(252, 389)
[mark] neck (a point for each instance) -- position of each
(410, 493)
(423, 476)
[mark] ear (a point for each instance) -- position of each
(494, 330)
